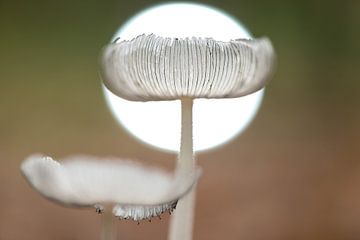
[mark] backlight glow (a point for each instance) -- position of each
(215, 121)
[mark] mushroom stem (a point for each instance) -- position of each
(181, 225)
(107, 225)
(186, 156)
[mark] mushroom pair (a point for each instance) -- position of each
(150, 67)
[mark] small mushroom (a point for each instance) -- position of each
(156, 68)
(127, 189)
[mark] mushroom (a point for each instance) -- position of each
(184, 51)
(127, 189)
(156, 68)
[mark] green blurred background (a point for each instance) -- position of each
(293, 174)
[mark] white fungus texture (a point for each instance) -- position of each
(150, 68)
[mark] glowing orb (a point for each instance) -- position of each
(215, 121)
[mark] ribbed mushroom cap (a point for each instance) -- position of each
(152, 68)
(88, 181)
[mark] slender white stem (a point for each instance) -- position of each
(107, 225)
(181, 225)
(186, 154)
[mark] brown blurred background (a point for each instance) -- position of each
(294, 173)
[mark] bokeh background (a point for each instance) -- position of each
(293, 174)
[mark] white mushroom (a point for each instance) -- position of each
(164, 61)
(155, 68)
(134, 191)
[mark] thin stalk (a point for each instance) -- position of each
(107, 225)
(181, 224)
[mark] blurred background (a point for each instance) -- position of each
(293, 174)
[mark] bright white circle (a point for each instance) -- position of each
(215, 121)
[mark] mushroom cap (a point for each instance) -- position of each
(89, 181)
(153, 68)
